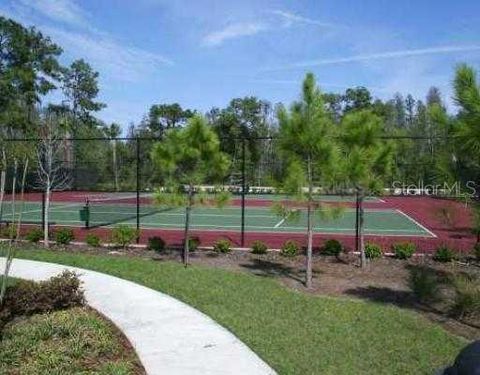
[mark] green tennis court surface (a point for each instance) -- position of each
(386, 222)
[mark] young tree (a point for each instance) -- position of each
(307, 141)
(112, 132)
(368, 160)
(51, 173)
(16, 222)
(188, 157)
(467, 97)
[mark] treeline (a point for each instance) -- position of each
(431, 145)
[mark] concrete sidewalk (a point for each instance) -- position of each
(169, 336)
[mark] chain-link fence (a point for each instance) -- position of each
(100, 182)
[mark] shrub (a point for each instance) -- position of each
(372, 250)
(9, 231)
(34, 235)
(123, 235)
(424, 284)
(28, 297)
(467, 296)
(193, 243)
(64, 236)
(259, 247)
(444, 254)
(92, 240)
(289, 248)
(332, 247)
(404, 250)
(156, 244)
(222, 246)
(476, 251)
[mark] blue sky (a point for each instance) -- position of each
(202, 53)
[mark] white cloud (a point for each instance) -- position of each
(66, 11)
(111, 58)
(290, 18)
(383, 56)
(233, 31)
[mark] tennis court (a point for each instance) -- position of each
(382, 222)
(323, 198)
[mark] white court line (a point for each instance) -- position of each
(51, 209)
(369, 210)
(280, 222)
(417, 223)
(159, 225)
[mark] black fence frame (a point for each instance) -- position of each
(243, 140)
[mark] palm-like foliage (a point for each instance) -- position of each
(467, 97)
(368, 159)
(307, 142)
(185, 158)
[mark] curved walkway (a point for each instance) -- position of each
(169, 336)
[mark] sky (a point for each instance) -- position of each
(203, 53)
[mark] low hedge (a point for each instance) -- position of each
(27, 297)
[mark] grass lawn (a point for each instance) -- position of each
(71, 341)
(293, 332)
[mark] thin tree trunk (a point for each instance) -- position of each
(186, 241)
(361, 218)
(46, 241)
(22, 198)
(308, 280)
(3, 180)
(11, 247)
(12, 231)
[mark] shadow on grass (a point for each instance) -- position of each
(407, 298)
(266, 268)
(427, 298)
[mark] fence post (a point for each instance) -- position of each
(138, 188)
(244, 185)
(357, 229)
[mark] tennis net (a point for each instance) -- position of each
(117, 209)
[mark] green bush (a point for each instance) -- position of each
(424, 284)
(156, 244)
(467, 296)
(444, 254)
(123, 235)
(372, 250)
(289, 248)
(332, 247)
(92, 240)
(28, 297)
(476, 251)
(8, 231)
(404, 250)
(259, 247)
(64, 236)
(222, 246)
(193, 243)
(34, 235)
